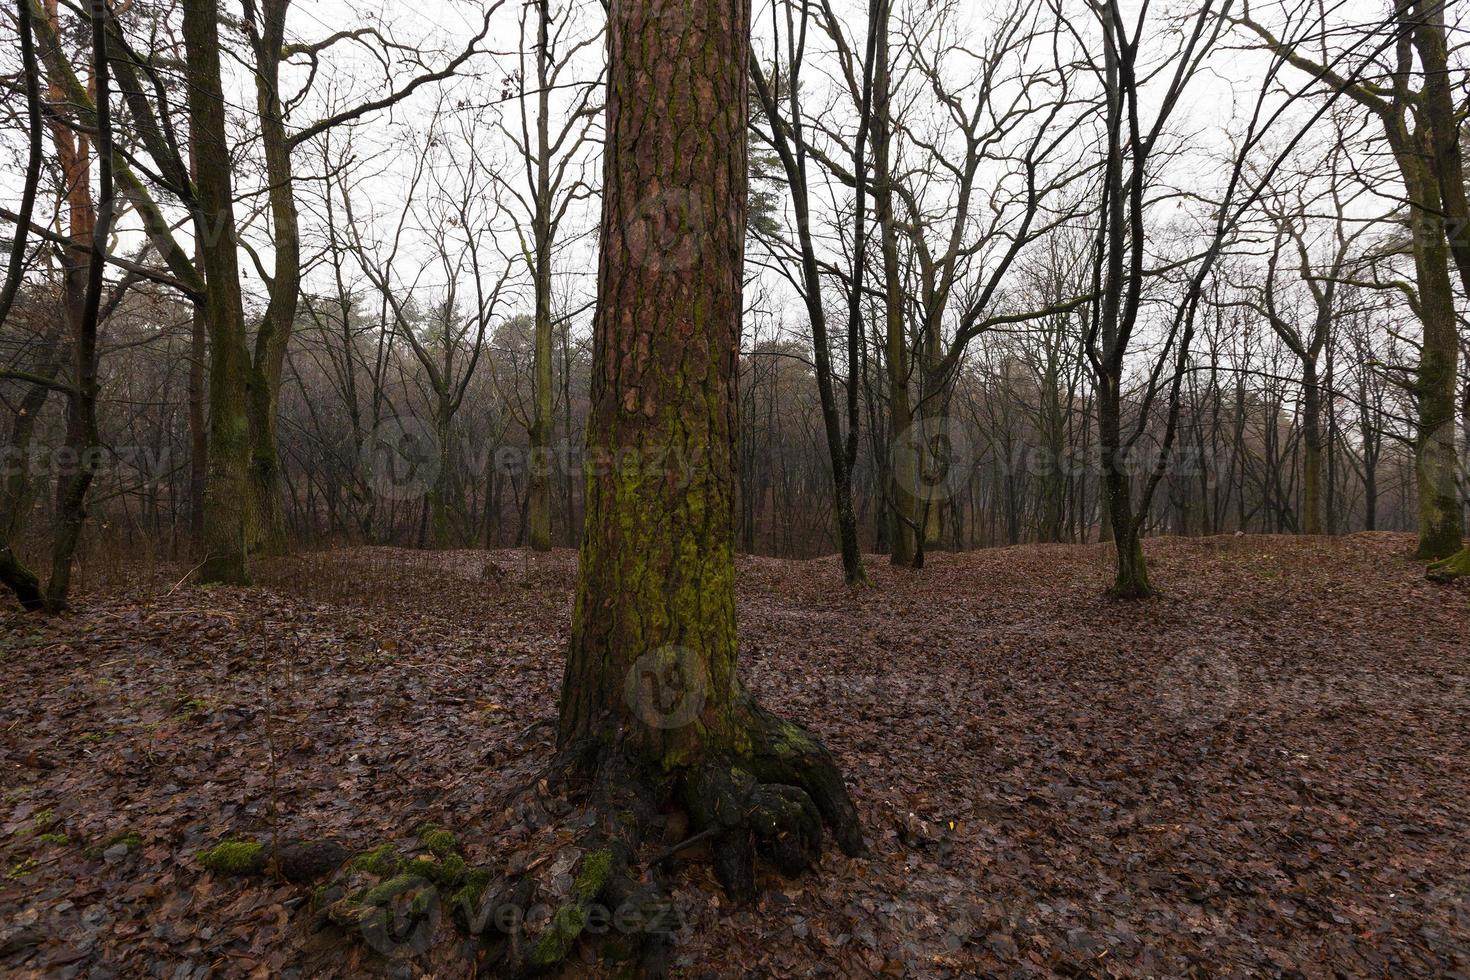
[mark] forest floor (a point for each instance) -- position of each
(1263, 771)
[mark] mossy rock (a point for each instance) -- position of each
(129, 841)
(466, 901)
(395, 915)
(556, 940)
(234, 857)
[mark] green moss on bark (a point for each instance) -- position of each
(1451, 568)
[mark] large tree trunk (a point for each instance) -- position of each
(1440, 529)
(1131, 580)
(227, 481)
(1445, 136)
(651, 705)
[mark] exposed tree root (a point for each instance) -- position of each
(20, 580)
(1451, 568)
(294, 861)
(769, 793)
(766, 792)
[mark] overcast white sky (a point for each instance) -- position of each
(385, 145)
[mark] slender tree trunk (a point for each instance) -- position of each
(793, 158)
(439, 490)
(542, 423)
(198, 433)
(198, 424)
(1311, 450)
(14, 574)
(227, 479)
(903, 503)
(266, 523)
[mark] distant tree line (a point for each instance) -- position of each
(1004, 281)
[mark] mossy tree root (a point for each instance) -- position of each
(769, 791)
(770, 796)
(296, 861)
(1451, 568)
(784, 753)
(609, 898)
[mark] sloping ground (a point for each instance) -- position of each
(1264, 771)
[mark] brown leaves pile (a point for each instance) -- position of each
(1262, 771)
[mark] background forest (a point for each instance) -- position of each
(328, 332)
(415, 210)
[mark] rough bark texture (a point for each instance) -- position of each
(266, 523)
(651, 707)
(1440, 530)
(229, 436)
(903, 505)
(83, 263)
(658, 553)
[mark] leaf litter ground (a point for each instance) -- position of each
(1266, 770)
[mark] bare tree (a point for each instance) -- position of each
(550, 139)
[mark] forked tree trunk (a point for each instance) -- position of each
(651, 705)
(84, 261)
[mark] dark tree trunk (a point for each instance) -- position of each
(85, 262)
(793, 159)
(14, 575)
(265, 520)
(227, 483)
(1312, 490)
